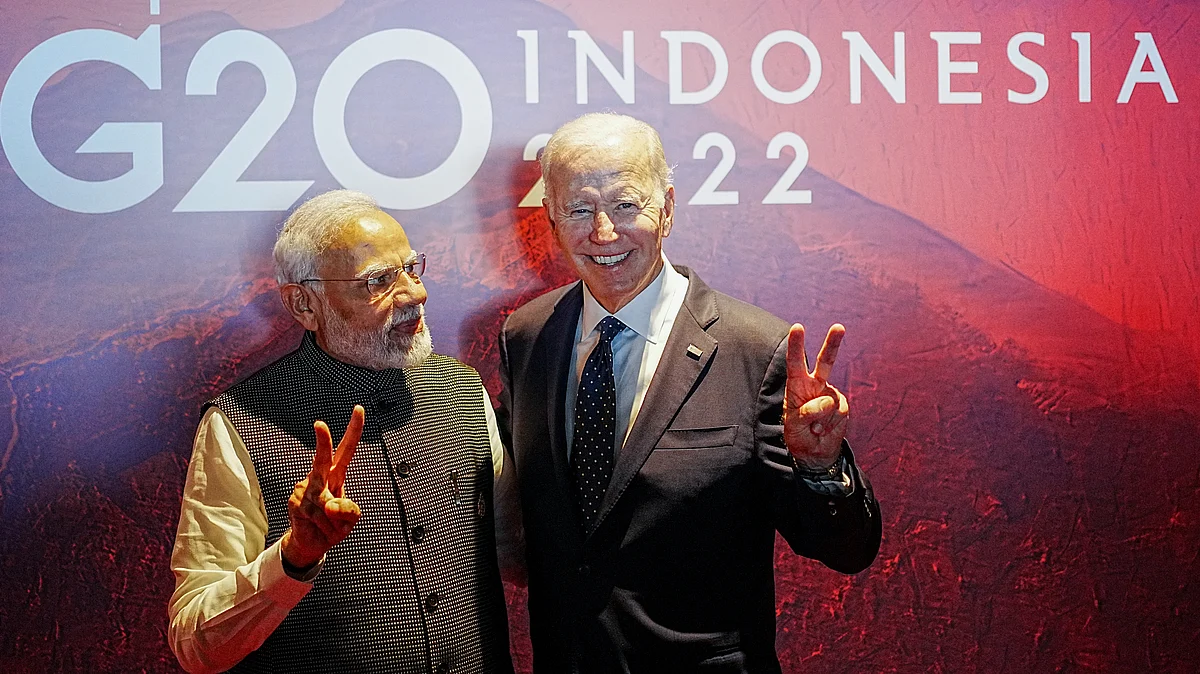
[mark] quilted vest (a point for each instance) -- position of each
(415, 587)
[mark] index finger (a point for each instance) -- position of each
(346, 448)
(829, 351)
(323, 459)
(797, 359)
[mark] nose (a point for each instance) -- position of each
(603, 230)
(409, 291)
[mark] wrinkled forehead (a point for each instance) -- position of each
(626, 149)
(596, 165)
(372, 240)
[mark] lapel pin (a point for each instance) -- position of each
(694, 351)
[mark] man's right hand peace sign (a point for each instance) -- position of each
(319, 512)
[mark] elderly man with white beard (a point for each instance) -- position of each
(289, 556)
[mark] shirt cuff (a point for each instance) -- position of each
(281, 585)
(843, 485)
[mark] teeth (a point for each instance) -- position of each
(609, 259)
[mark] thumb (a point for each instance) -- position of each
(815, 414)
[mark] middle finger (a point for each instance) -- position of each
(829, 352)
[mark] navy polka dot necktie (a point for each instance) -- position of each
(595, 425)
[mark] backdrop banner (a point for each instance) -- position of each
(998, 200)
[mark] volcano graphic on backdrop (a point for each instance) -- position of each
(1037, 463)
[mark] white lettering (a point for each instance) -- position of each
(782, 192)
(675, 41)
(1041, 83)
(946, 67)
(708, 194)
(535, 195)
(143, 140)
(531, 64)
(586, 50)
(1147, 51)
(861, 52)
(1085, 65)
(760, 54)
(474, 102)
(219, 188)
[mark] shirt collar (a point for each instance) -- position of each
(344, 374)
(646, 312)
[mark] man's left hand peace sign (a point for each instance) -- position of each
(814, 413)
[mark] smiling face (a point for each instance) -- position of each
(353, 325)
(609, 215)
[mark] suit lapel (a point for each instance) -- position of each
(560, 339)
(676, 376)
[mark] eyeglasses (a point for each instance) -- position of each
(382, 281)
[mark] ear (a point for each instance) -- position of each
(668, 210)
(300, 303)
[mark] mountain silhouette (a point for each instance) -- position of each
(1036, 462)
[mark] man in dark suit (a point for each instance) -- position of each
(661, 433)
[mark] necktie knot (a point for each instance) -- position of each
(609, 326)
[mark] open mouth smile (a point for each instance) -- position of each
(608, 260)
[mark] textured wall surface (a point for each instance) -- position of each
(1019, 286)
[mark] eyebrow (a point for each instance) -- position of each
(625, 191)
(372, 269)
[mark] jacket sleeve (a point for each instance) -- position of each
(842, 532)
(510, 529)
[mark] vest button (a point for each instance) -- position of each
(384, 405)
(418, 534)
(431, 602)
(444, 667)
(402, 469)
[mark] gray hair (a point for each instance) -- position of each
(311, 228)
(591, 130)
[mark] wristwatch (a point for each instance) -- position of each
(831, 474)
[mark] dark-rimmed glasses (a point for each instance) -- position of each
(382, 281)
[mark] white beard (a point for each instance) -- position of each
(381, 350)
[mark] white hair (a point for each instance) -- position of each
(311, 228)
(591, 130)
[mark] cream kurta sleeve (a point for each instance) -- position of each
(230, 592)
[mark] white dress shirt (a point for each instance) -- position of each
(648, 320)
(231, 591)
(637, 350)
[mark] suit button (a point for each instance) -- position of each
(584, 571)
(418, 534)
(402, 469)
(431, 602)
(444, 667)
(384, 405)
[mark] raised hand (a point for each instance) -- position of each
(814, 413)
(319, 512)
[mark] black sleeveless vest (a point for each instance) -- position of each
(415, 587)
